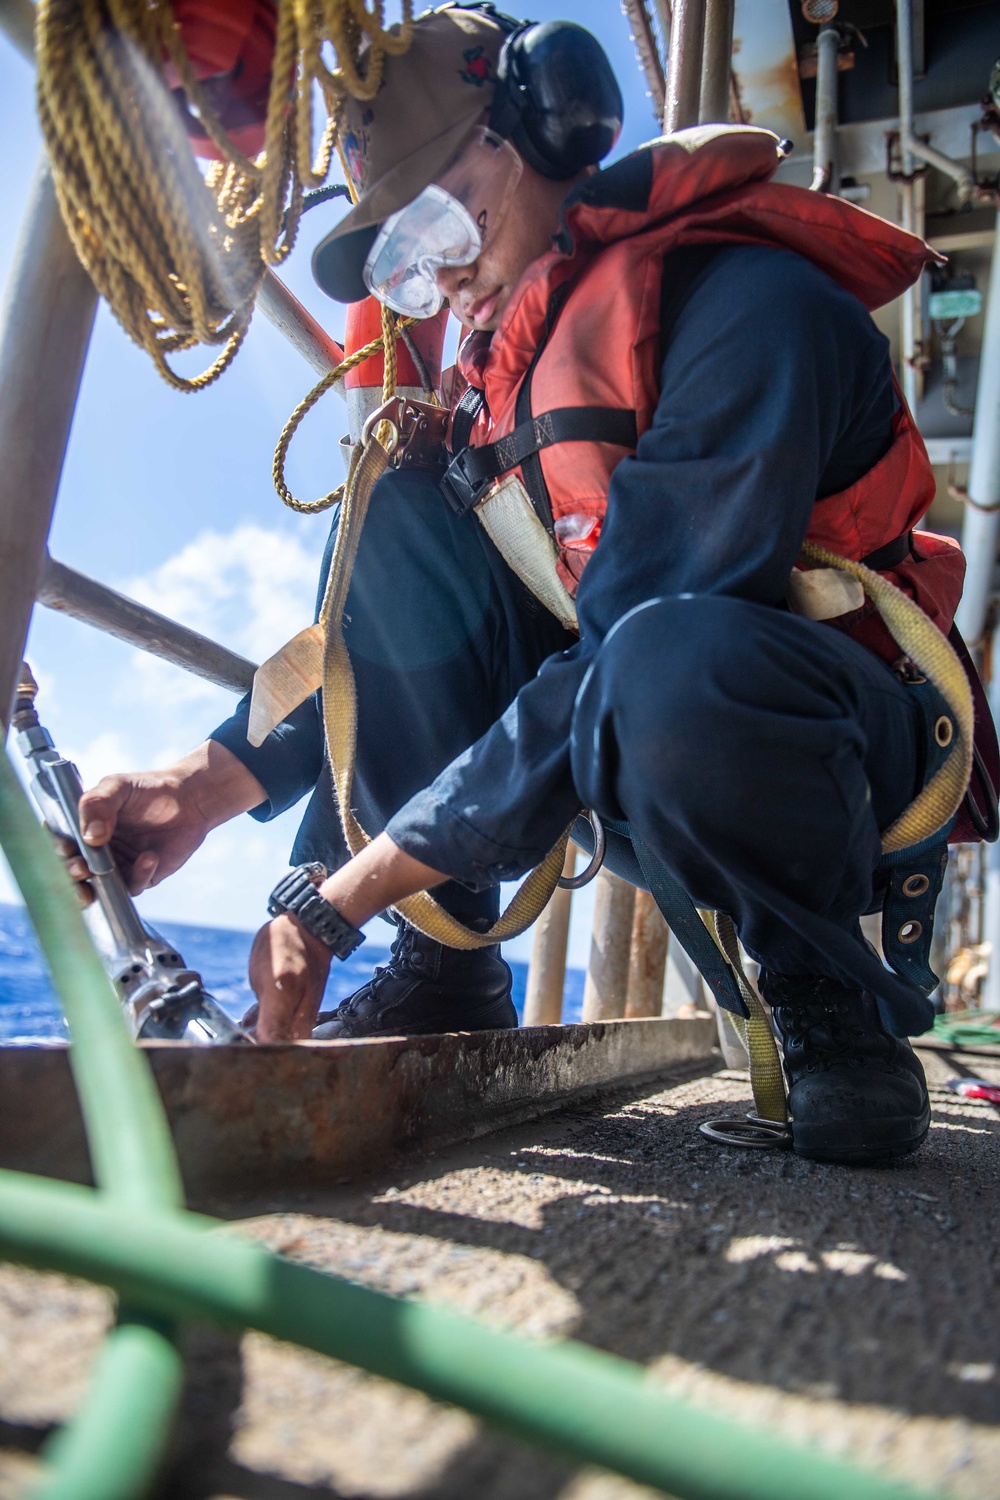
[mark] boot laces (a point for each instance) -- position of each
(827, 1026)
(400, 954)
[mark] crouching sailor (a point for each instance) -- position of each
(671, 367)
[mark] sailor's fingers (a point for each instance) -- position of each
(249, 1021)
(288, 969)
(143, 872)
(99, 808)
(75, 865)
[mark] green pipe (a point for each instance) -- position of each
(119, 1434)
(130, 1146)
(584, 1404)
(115, 1442)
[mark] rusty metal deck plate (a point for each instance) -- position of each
(315, 1113)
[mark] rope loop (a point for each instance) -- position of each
(391, 332)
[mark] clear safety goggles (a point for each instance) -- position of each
(448, 224)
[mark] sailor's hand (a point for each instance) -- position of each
(155, 820)
(288, 972)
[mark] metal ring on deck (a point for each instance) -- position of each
(760, 1135)
(575, 882)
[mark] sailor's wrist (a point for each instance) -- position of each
(314, 948)
(217, 784)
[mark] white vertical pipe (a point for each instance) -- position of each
(981, 529)
(904, 71)
(991, 899)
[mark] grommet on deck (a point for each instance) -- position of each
(944, 731)
(915, 885)
(909, 932)
(754, 1132)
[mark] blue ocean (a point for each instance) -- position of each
(30, 1013)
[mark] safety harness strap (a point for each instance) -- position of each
(473, 470)
(465, 416)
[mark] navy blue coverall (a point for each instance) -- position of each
(756, 753)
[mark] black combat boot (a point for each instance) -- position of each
(426, 987)
(856, 1093)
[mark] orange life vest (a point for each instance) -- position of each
(601, 289)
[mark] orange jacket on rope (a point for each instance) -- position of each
(231, 47)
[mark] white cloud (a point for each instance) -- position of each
(252, 589)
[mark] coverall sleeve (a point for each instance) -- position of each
(776, 390)
(287, 764)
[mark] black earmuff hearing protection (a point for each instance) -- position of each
(556, 98)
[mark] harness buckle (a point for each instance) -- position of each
(417, 432)
(461, 489)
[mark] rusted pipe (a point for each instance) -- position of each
(44, 333)
(83, 598)
(606, 990)
(826, 178)
(687, 33)
(910, 144)
(543, 998)
(716, 67)
(647, 959)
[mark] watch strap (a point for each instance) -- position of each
(296, 895)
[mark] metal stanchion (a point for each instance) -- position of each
(687, 32)
(44, 333)
(606, 990)
(647, 958)
(299, 327)
(73, 593)
(716, 68)
(543, 999)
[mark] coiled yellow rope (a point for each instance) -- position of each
(180, 256)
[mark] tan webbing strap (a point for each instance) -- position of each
(766, 1078)
(930, 651)
(340, 720)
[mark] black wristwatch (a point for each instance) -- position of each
(296, 895)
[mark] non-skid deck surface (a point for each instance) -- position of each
(853, 1309)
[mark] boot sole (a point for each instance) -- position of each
(854, 1142)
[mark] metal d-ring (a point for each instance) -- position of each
(575, 882)
(759, 1134)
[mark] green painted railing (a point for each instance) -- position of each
(132, 1235)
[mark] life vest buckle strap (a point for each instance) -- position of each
(462, 483)
(472, 470)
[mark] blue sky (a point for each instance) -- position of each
(169, 498)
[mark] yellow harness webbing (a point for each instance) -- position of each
(340, 720)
